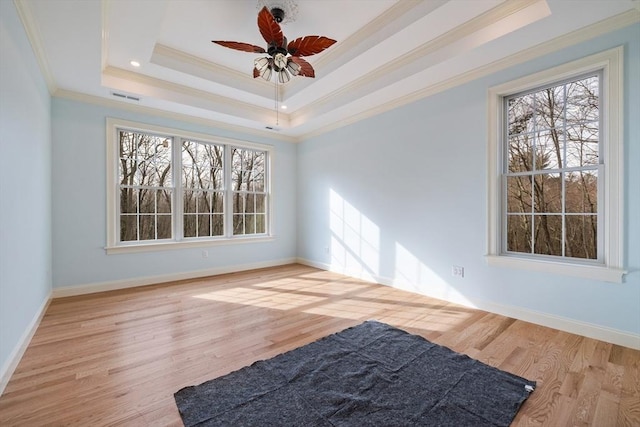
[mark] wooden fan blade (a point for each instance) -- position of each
(245, 47)
(309, 45)
(270, 29)
(306, 70)
(256, 73)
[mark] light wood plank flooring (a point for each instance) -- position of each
(116, 358)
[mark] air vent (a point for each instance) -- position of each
(124, 96)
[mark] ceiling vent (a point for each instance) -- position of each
(124, 96)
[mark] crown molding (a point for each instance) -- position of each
(137, 108)
(408, 64)
(605, 26)
(35, 39)
(398, 16)
(129, 81)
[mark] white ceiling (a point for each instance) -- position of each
(389, 52)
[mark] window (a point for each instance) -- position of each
(168, 188)
(555, 160)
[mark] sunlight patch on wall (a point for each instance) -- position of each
(355, 240)
(413, 275)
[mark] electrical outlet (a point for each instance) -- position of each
(205, 254)
(457, 271)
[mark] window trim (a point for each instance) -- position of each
(611, 268)
(113, 245)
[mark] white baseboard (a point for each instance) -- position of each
(12, 361)
(90, 288)
(565, 324)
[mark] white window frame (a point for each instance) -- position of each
(114, 246)
(610, 267)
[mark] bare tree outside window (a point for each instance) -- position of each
(145, 186)
(551, 170)
(203, 189)
(175, 188)
(249, 191)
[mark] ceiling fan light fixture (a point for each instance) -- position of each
(293, 68)
(283, 76)
(280, 61)
(261, 64)
(266, 73)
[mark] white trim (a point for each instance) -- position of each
(584, 34)
(585, 271)
(137, 108)
(16, 354)
(399, 68)
(185, 244)
(33, 34)
(113, 246)
(565, 324)
(90, 288)
(130, 81)
(611, 62)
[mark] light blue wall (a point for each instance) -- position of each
(401, 197)
(79, 204)
(25, 189)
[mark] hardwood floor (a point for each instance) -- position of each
(116, 358)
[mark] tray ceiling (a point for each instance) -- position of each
(388, 53)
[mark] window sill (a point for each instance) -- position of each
(595, 272)
(171, 245)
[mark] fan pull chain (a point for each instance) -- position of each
(275, 85)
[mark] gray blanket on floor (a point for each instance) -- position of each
(369, 375)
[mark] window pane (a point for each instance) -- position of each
(249, 224)
(147, 201)
(519, 233)
(202, 164)
(217, 225)
(261, 203)
(548, 234)
(189, 201)
(127, 144)
(163, 201)
(147, 227)
(550, 107)
(583, 145)
(260, 224)
(164, 226)
(238, 224)
(238, 203)
(127, 172)
(548, 152)
(583, 100)
(250, 203)
(548, 193)
(519, 194)
(520, 153)
(203, 202)
(581, 236)
(189, 225)
(217, 202)
(581, 192)
(128, 228)
(160, 175)
(520, 114)
(128, 200)
(204, 225)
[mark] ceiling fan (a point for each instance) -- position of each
(285, 60)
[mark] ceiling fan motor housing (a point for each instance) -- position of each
(278, 14)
